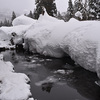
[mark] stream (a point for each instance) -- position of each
(55, 79)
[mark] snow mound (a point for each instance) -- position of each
(22, 20)
(36, 38)
(83, 45)
(80, 40)
(13, 86)
(19, 31)
(45, 36)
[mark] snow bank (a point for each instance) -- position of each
(80, 40)
(45, 36)
(13, 86)
(20, 26)
(36, 38)
(80, 46)
(19, 30)
(22, 20)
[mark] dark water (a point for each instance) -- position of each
(55, 79)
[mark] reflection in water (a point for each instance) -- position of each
(55, 79)
(47, 87)
(84, 82)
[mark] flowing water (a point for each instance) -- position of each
(55, 79)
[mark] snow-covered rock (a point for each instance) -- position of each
(13, 86)
(22, 20)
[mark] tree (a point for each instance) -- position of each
(92, 9)
(13, 16)
(1, 24)
(49, 5)
(78, 5)
(70, 10)
(5, 22)
(81, 9)
(39, 9)
(98, 9)
(30, 14)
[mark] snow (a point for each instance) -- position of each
(7, 34)
(39, 33)
(22, 20)
(60, 71)
(80, 40)
(19, 30)
(4, 39)
(49, 79)
(13, 86)
(21, 25)
(52, 37)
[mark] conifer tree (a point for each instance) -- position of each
(38, 10)
(70, 10)
(13, 16)
(92, 9)
(30, 14)
(5, 22)
(98, 9)
(78, 5)
(1, 24)
(49, 5)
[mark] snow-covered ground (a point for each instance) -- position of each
(13, 86)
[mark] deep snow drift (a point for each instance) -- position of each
(13, 86)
